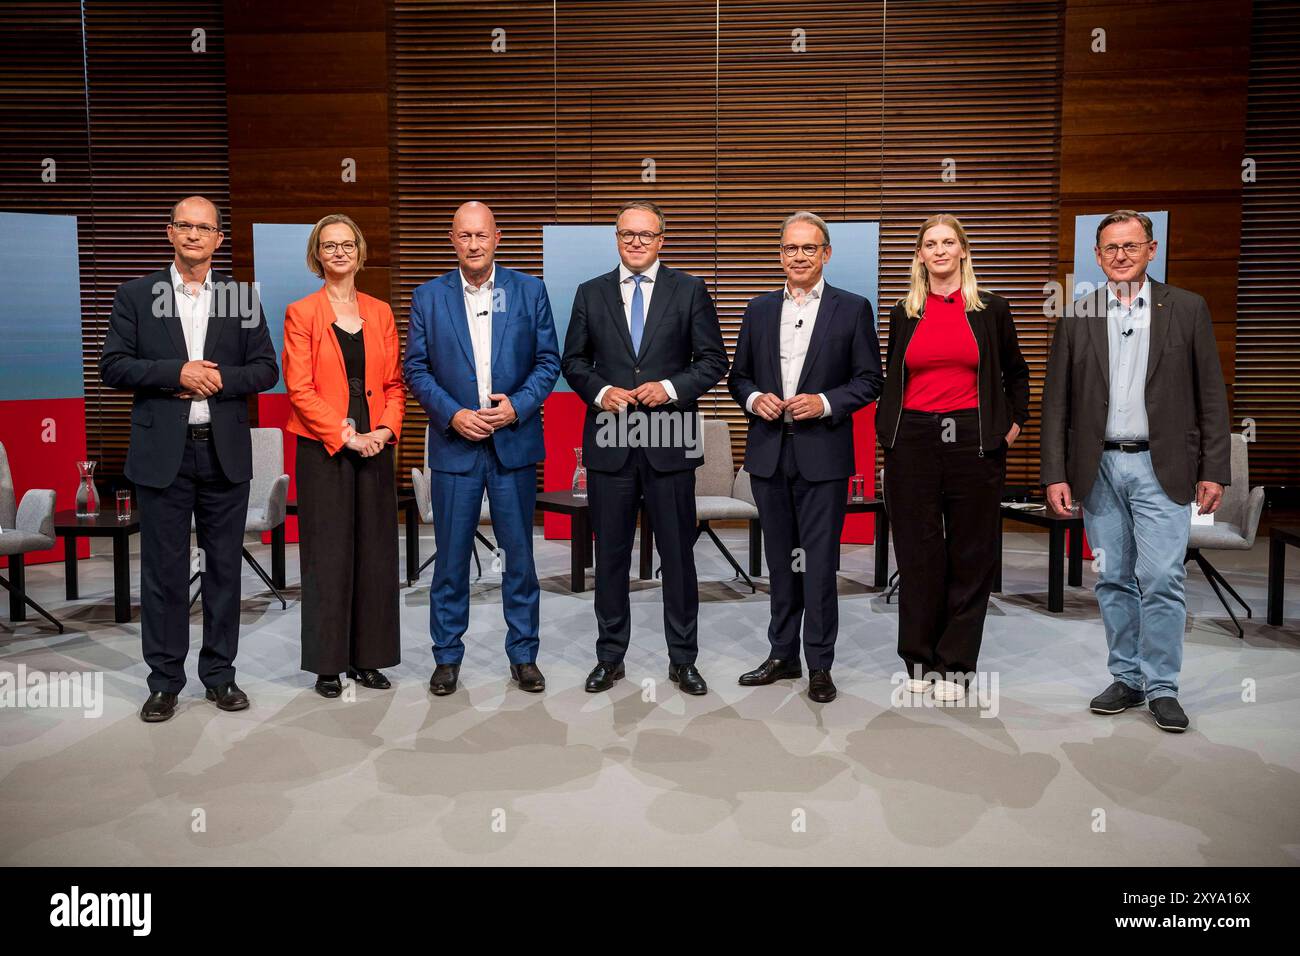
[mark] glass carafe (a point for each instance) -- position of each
(87, 496)
(579, 476)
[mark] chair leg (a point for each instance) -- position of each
(30, 603)
(427, 563)
(894, 582)
(477, 564)
(195, 596)
(726, 554)
(266, 578)
(1224, 581)
(1210, 575)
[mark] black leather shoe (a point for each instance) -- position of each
(528, 677)
(443, 681)
(602, 677)
(1116, 699)
(820, 687)
(329, 685)
(159, 707)
(769, 671)
(1168, 714)
(688, 679)
(369, 677)
(228, 696)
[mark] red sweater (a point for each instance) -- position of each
(942, 359)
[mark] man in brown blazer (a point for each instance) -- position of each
(1135, 426)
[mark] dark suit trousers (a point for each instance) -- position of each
(615, 499)
(809, 515)
(347, 508)
(219, 509)
(943, 502)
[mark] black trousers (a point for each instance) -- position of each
(943, 499)
(347, 545)
(808, 515)
(615, 499)
(219, 509)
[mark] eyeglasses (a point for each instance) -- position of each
(627, 237)
(329, 248)
(204, 229)
(1110, 250)
(808, 250)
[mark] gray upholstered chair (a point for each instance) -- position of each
(25, 527)
(721, 494)
(1234, 528)
(421, 487)
(268, 499)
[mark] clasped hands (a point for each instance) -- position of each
(477, 424)
(199, 379)
(648, 394)
(366, 444)
(803, 406)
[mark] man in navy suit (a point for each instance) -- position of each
(643, 345)
(192, 345)
(806, 360)
(481, 356)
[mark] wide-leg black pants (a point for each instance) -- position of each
(943, 498)
(347, 543)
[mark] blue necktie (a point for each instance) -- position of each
(638, 315)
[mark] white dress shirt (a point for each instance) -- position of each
(478, 313)
(798, 319)
(626, 289)
(193, 313)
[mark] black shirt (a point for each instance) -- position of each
(353, 346)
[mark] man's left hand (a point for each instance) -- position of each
(501, 414)
(805, 406)
(651, 394)
(1209, 495)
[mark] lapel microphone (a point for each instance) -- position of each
(799, 324)
(949, 299)
(1127, 333)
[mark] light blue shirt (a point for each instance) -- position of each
(1128, 335)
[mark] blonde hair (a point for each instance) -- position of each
(920, 285)
(313, 243)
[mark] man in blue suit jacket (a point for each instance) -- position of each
(806, 360)
(481, 356)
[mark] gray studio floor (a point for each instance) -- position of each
(645, 775)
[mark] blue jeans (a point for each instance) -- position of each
(1140, 536)
(457, 500)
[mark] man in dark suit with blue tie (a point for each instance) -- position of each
(806, 360)
(643, 345)
(192, 345)
(481, 357)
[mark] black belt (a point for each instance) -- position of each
(1132, 447)
(200, 432)
(787, 428)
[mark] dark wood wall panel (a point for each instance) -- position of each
(1157, 121)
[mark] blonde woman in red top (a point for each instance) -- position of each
(956, 397)
(343, 373)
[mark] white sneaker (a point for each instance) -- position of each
(946, 690)
(915, 686)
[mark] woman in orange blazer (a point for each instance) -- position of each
(342, 369)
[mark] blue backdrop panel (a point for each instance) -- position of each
(280, 268)
(40, 310)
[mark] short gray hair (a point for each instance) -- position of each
(1125, 215)
(805, 216)
(646, 205)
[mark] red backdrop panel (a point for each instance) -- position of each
(44, 439)
(273, 412)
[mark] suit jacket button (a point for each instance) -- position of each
(636, 370)
(369, 392)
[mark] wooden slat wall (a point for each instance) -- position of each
(151, 130)
(1268, 273)
(742, 130)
